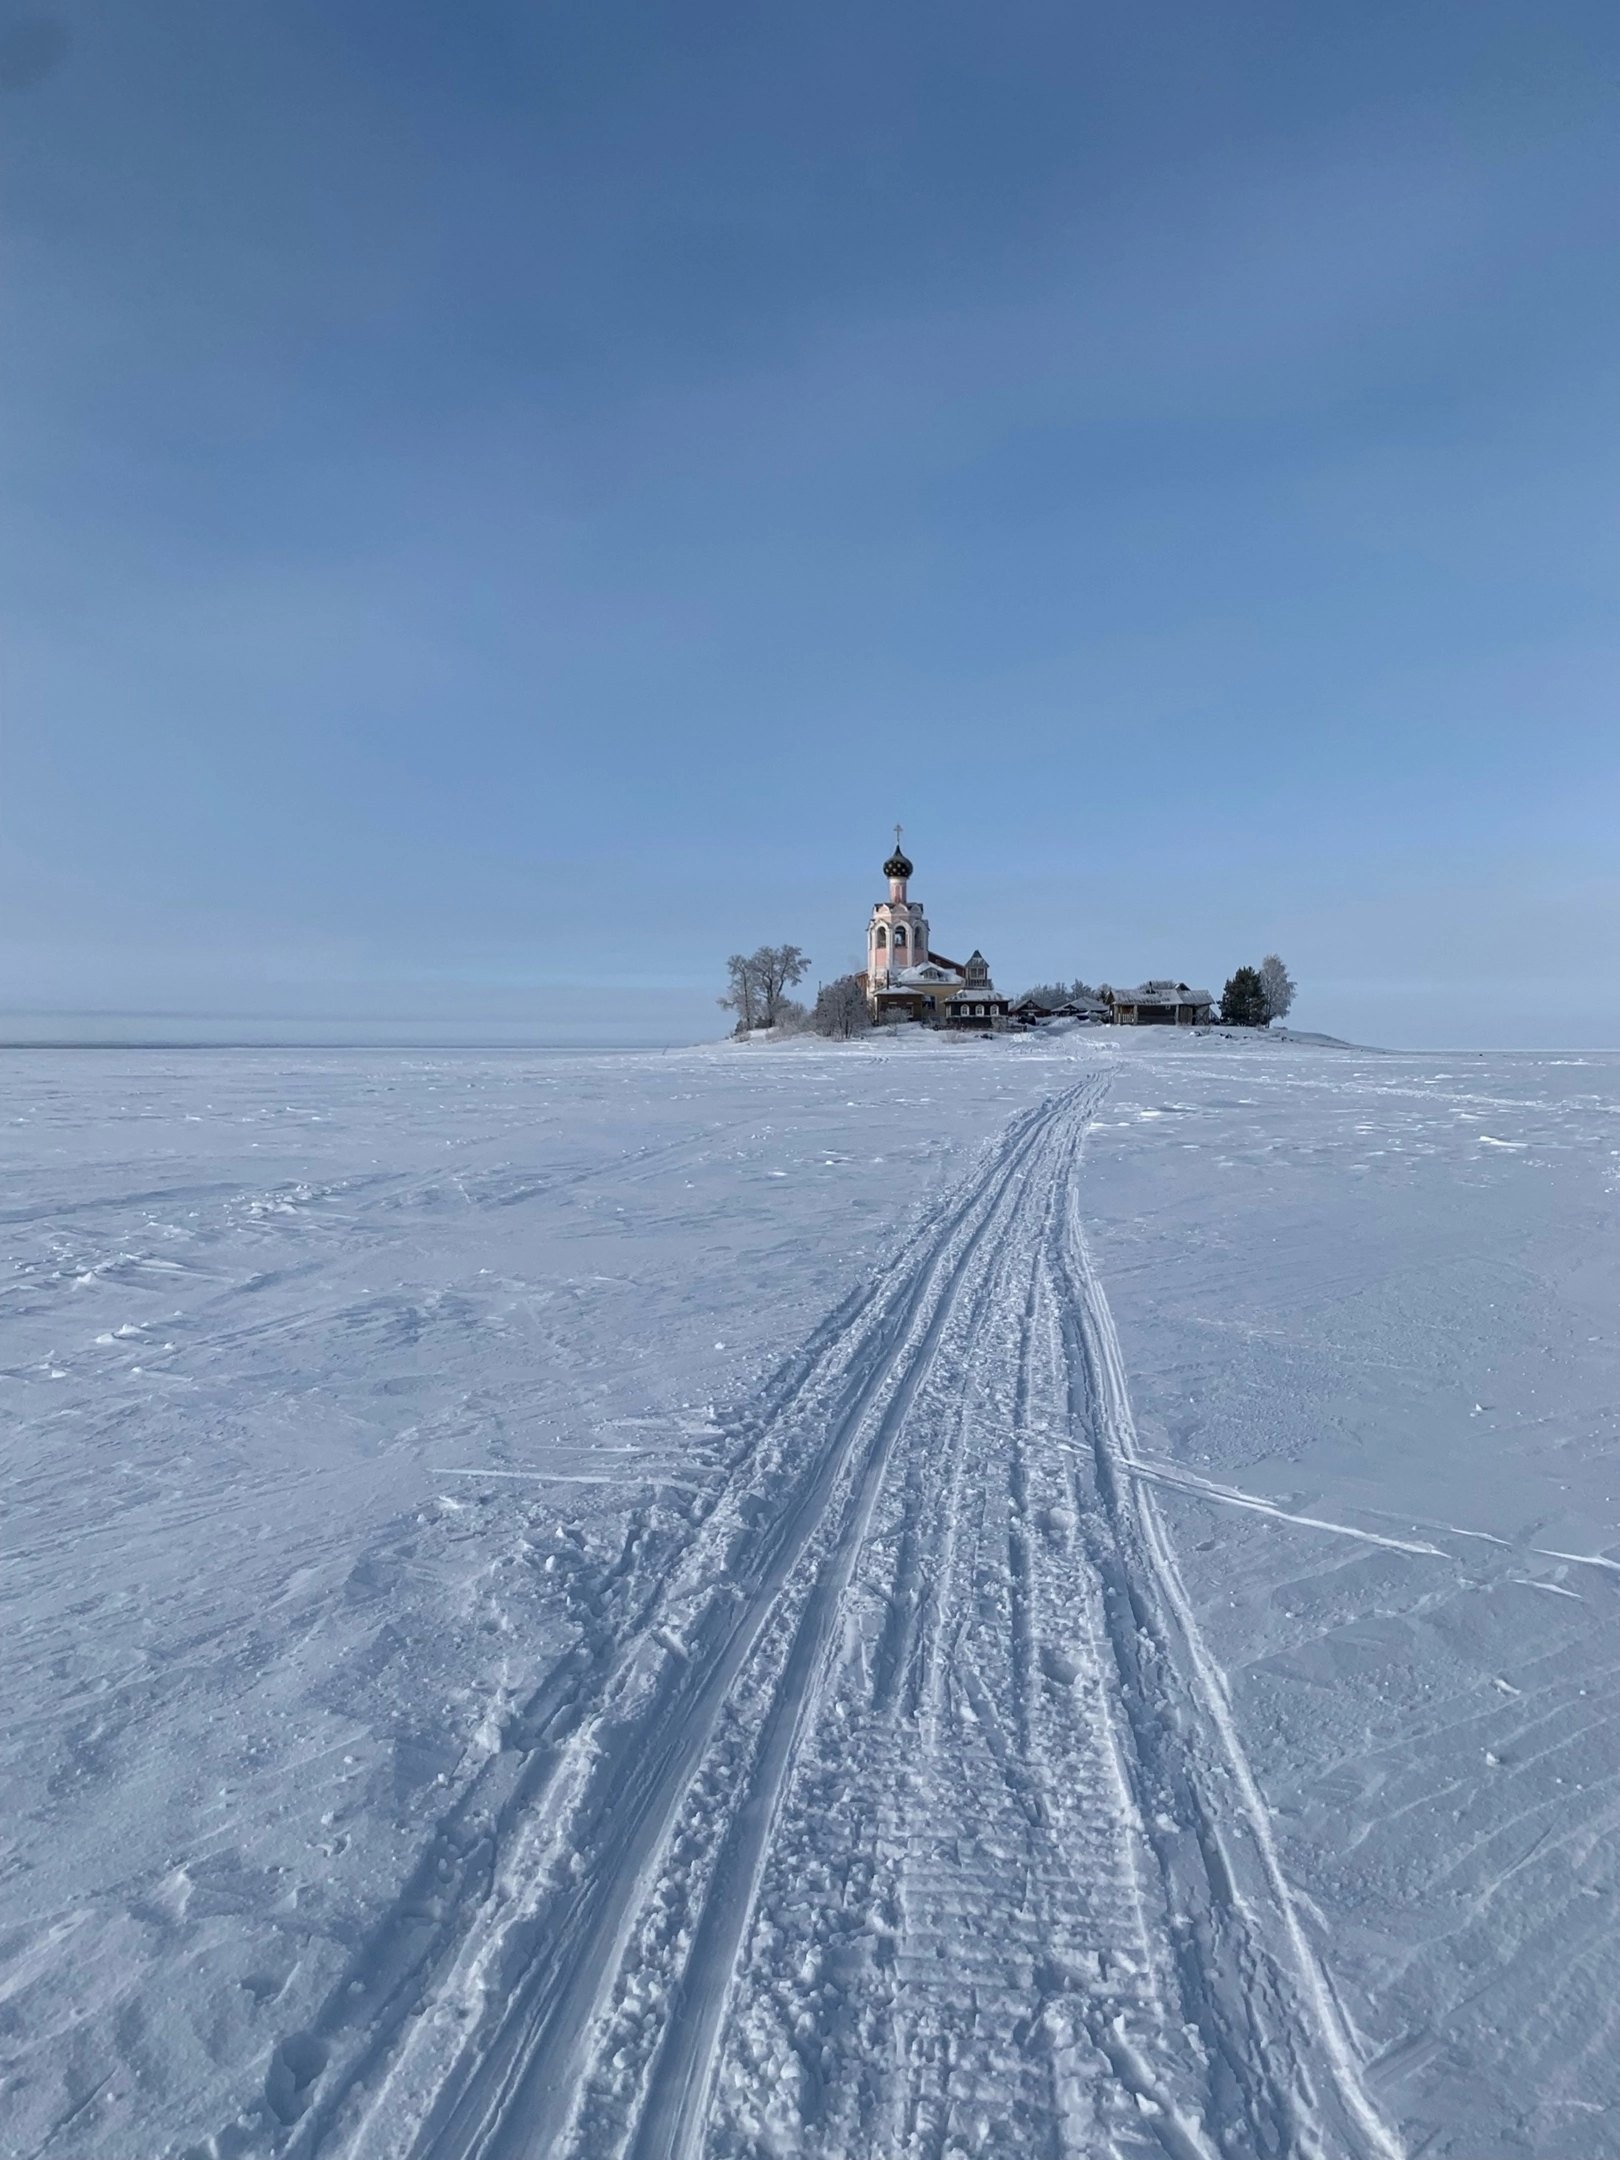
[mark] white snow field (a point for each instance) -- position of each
(877, 1602)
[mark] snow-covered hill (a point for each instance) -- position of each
(907, 1598)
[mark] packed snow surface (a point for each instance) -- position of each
(880, 1602)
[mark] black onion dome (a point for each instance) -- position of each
(897, 865)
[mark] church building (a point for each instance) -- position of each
(907, 980)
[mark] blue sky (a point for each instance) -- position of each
(504, 505)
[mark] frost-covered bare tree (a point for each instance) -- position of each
(1052, 995)
(742, 997)
(778, 968)
(1278, 985)
(760, 982)
(841, 1009)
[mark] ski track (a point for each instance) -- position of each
(893, 1809)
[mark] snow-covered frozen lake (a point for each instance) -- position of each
(906, 1599)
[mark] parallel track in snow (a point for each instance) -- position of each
(912, 1820)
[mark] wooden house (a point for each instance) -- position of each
(1161, 1003)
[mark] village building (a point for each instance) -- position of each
(1161, 1003)
(1033, 1010)
(978, 1004)
(907, 980)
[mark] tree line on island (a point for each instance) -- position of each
(759, 983)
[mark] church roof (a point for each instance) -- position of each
(931, 970)
(899, 863)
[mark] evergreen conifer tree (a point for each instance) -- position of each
(1243, 1001)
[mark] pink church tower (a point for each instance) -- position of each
(897, 935)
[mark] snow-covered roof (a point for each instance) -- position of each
(926, 971)
(1062, 1005)
(1162, 992)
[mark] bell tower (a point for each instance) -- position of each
(897, 935)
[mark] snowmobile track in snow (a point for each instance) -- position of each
(910, 1820)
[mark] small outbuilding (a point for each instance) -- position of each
(1161, 1003)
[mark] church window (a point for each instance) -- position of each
(882, 936)
(899, 936)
